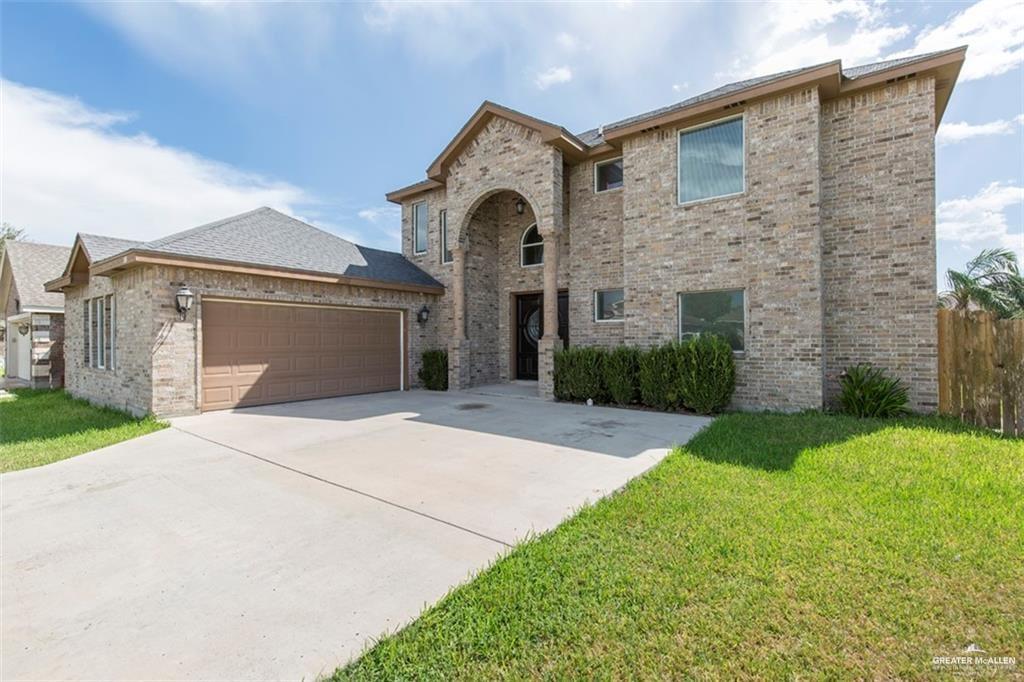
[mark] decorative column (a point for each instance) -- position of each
(550, 340)
(458, 345)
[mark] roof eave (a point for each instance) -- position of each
(827, 76)
(399, 195)
(137, 257)
(944, 66)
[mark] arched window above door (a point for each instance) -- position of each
(531, 248)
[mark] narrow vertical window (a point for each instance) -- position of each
(446, 252)
(86, 333)
(419, 227)
(108, 337)
(113, 332)
(100, 343)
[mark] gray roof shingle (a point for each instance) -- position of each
(595, 137)
(270, 238)
(100, 248)
(32, 265)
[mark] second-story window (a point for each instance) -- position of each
(419, 227)
(531, 248)
(446, 252)
(711, 160)
(607, 175)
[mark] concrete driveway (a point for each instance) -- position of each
(276, 542)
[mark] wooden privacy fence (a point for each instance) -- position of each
(981, 369)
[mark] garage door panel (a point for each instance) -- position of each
(259, 353)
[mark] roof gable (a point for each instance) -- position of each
(28, 266)
(550, 133)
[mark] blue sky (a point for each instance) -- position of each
(140, 119)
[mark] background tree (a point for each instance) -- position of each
(991, 281)
(8, 231)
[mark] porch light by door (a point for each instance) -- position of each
(423, 315)
(520, 206)
(183, 301)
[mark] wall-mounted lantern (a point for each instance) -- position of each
(24, 329)
(183, 301)
(520, 206)
(423, 315)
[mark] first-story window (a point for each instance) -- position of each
(609, 305)
(446, 252)
(99, 323)
(419, 227)
(714, 312)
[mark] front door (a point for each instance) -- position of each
(530, 328)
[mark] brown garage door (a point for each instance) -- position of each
(254, 353)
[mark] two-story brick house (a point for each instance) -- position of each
(794, 213)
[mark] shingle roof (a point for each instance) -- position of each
(594, 137)
(270, 238)
(32, 265)
(99, 247)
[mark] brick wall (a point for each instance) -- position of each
(765, 241)
(878, 224)
(159, 356)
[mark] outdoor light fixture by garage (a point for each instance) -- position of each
(520, 206)
(183, 301)
(23, 329)
(423, 315)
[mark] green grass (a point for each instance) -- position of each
(39, 427)
(771, 546)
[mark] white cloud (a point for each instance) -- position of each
(242, 42)
(790, 35)
(981, 220)
(66, 169)
(567, 41)
(994, 30)
(680, 87)
(378, 214)
(950, 133)
(553, 76)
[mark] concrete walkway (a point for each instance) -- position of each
(275, 542)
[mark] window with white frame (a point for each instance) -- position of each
(419, 227)
(609, 305)
(531, 248)
(608, 175)
(446, 252)
(714, 312)
(99, 327)
(711, 160)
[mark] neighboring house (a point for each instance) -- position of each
(33, 318)
(792, 213)
(279, 311)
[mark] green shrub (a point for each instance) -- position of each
(579, 374)
(621, 375)
(659, 377)
(707, 373)
(866, 391)
(434, 371)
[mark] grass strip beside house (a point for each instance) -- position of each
(38, 427)
(771, 546)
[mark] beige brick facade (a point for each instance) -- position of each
(832, 273)
(159, 356)
(832, 241)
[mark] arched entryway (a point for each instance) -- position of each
(503, 256)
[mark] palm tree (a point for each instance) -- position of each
(991, 281)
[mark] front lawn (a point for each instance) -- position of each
(39, 427)
(771, 546)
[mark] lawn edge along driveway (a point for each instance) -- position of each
(41, 426)
(769, 546)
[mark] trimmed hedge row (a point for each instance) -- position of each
(698, 374)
